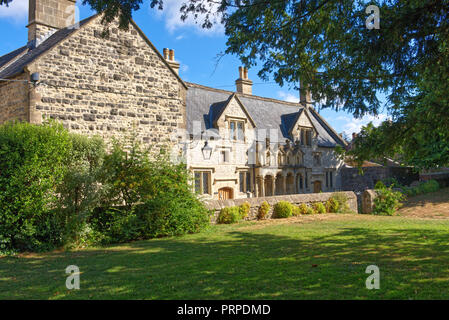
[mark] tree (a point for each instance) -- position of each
(326, 44)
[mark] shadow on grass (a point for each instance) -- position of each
(244, 265)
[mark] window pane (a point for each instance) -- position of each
(240, 131)
(197, 182)
(248, 182)
(302, 137)
(242, 182)
(206, 182)
(331, 179)
(232, 131)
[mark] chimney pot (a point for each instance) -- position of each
(243, 84)
(172, 55)
(165, 53)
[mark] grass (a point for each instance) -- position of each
(319, 257)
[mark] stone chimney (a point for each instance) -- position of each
(305, 96)
(47, 16)
(169, 56)
(243, 84)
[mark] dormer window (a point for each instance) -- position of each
(237, 130)
(305, 136)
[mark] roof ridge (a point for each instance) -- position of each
(249, 96)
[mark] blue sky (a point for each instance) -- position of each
(196, 50)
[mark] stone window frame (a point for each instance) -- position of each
(305, 136)
(202, 172)
(233, 135)
(246, 178)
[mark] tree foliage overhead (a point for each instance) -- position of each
(326, 44)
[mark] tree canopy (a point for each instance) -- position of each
(327, 45)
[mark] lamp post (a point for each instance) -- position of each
(207, 151)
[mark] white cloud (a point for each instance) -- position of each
(173, 22)
(355, 125)
(288, 97)
(17, 11)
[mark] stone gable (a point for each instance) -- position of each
(109, 86)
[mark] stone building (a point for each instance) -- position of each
(238, 145)
(243, 145)
(93, 85)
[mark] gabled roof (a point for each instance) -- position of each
(218, 109)
(204, 104)
(18, 66)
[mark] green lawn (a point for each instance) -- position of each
(289, 259)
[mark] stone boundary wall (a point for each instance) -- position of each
(441, 177)
(352, 180)
(296, 199)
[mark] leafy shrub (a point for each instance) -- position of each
(332, 205)
(303, 209)
(79, 193)
(310, 210)
(244, 209)
(296, 211)
(33, 162)
(387, 200)
(229, 215)
(342, 200)
(282, 209)
(429, 186)
(319, 207)
(263, 210)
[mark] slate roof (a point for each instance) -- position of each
(11, 56)
(204, 103)
(17, 66)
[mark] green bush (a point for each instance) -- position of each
(229, 215)
(296, 211)
(332, 205)
(303, 209)
(80, 192)
(244, 209)
(387, 200)
(429, 186)
(33, 162)
(282, 209)
(60, 189)
(264, 209)
(342, 200)
(319, 207)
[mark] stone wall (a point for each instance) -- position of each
(352, 180)
(14, 99)
(109, 86)
(296, 199)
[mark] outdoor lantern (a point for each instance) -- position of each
(207, 151)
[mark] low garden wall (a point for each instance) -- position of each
(296, 199)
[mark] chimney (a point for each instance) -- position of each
(243, 84)
(47, 16)
(305, 96)
(169, 56)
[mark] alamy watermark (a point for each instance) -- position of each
(373, 281)
(373, 20)
(73, 280)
